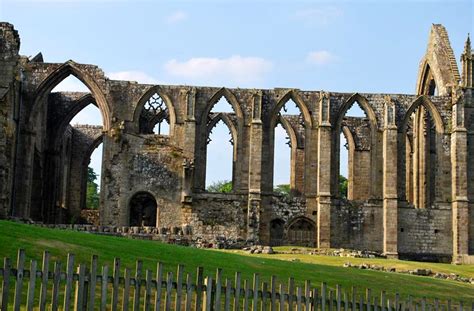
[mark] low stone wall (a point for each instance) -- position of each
(357, 225)
(218, 216)
(425, 234)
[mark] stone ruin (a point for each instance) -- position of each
(411, 158)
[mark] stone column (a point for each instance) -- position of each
(390, 195)
(254, 231)
(324, 173)
(460, 211)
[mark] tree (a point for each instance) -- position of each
(92, 194)
(222, 186)
(283, 190)
(343, 186)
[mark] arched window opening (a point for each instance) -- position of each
(62, 145)
(143, 210)
(220, 148)
(277, 231)
(302, 233)
(288, 159)
(155, 118)
(421, 170)
(93, 183)
(282, 166)
(344, 164)
(432, 90)
(352, 162)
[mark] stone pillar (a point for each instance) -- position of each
(189, 98)
(254, 231)
(324, 173)
(460, 211)
(390, 195)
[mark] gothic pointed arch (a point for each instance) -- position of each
(372, 159)
(162, 108)
(423, 100)
(227, 121)
(80, 104)
(230, 98)
(438, 65)
(58, 75)
(419, 168)
(291, 95)
(365, 106)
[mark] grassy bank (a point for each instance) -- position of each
(315, 268)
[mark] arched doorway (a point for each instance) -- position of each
(277, 231)
(302, 232)
(143, 210)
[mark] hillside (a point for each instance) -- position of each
(317, 269)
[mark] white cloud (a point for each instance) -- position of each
(320, 16)
(320, 57)
(176, 17)
(208, 70)
(132, 75)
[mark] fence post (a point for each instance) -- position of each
(115, 288)
(291, 288)
(307, 295)
(30, 298)
(199, 284)
(136, 293)
(315, 299)
(323, 296)
(179, 285)
(331, 300)
(217, 299)
(207, 306)
(44, 281)
(255, 292)
(338, 297)
(237, 292)
(228, 292)
(368, 299)
(282, 297)
(169, 288)
(69, 277)
(383, 300)
(148, 277)
(20, 266)
(189, 293)
(346, 301)
(159, 285)
(298, 298)
(126, 290)
(93, 283)
(246, 294)
(56, 281)
(103, 288)
(79, 301)
(6, 283)
(273, 290)
(353, 300)
(264, 296)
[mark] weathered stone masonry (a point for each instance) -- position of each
(411, 158)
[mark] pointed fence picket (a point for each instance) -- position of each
(81, 288)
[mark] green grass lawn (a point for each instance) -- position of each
(314, 268)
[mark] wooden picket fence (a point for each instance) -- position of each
(83, 288)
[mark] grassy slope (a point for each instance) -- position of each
(34, 240)
(284, 254)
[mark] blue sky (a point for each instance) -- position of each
(363, 46)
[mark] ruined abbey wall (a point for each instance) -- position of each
(411, 158)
